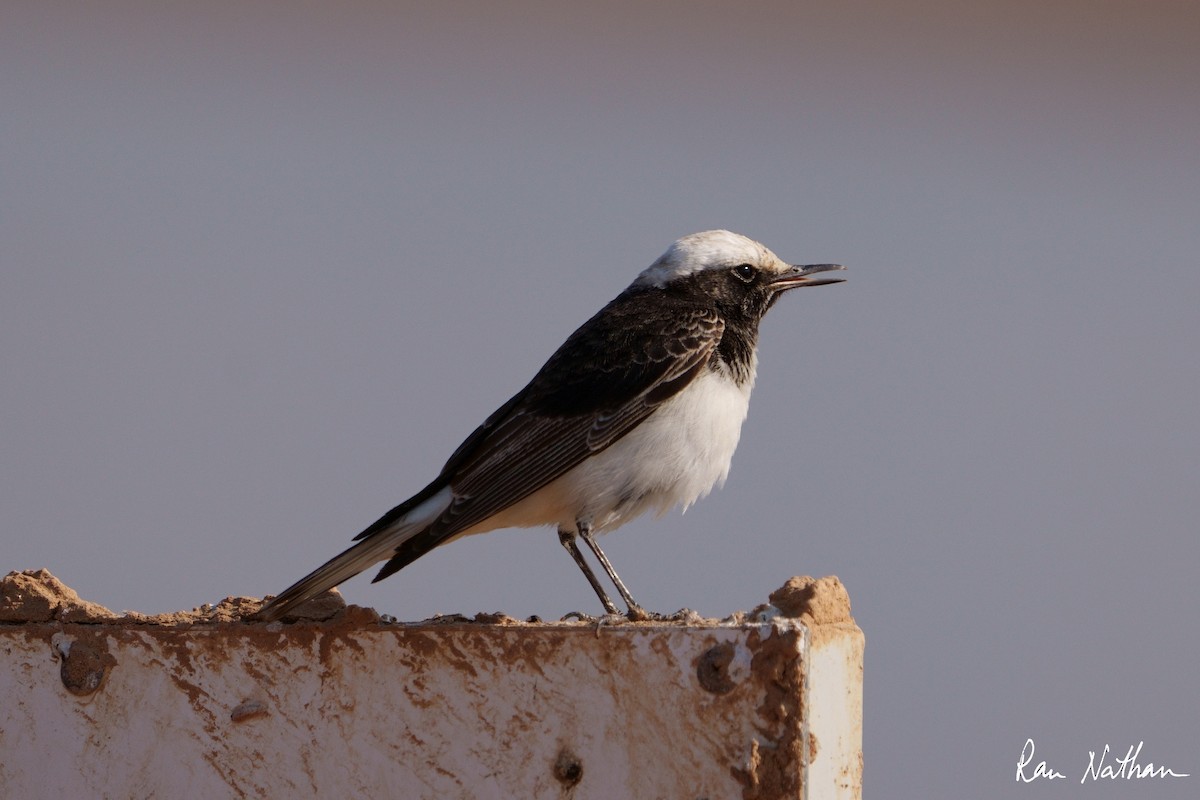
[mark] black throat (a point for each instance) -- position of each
(741, 315)
(736, 350)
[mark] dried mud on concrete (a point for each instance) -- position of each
(36, 596)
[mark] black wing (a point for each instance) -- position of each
(587, 396)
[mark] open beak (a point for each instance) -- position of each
(801, 275)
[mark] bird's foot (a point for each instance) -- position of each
(639, 614)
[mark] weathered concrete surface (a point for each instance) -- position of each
(761, 705)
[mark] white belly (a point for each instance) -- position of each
(674, 457)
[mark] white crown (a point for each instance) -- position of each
(707, 250)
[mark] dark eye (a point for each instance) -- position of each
(745, 272)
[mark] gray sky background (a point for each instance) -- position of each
(263, 266)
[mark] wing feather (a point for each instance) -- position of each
(583, 400)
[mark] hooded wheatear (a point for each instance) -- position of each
(639, 410)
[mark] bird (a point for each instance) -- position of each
(639, 410)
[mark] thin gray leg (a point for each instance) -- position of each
(567, 539)
(635, 611)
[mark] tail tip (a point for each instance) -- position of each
(319, 608)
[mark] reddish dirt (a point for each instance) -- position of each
(38, 596)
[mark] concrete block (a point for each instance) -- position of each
(203, 704)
